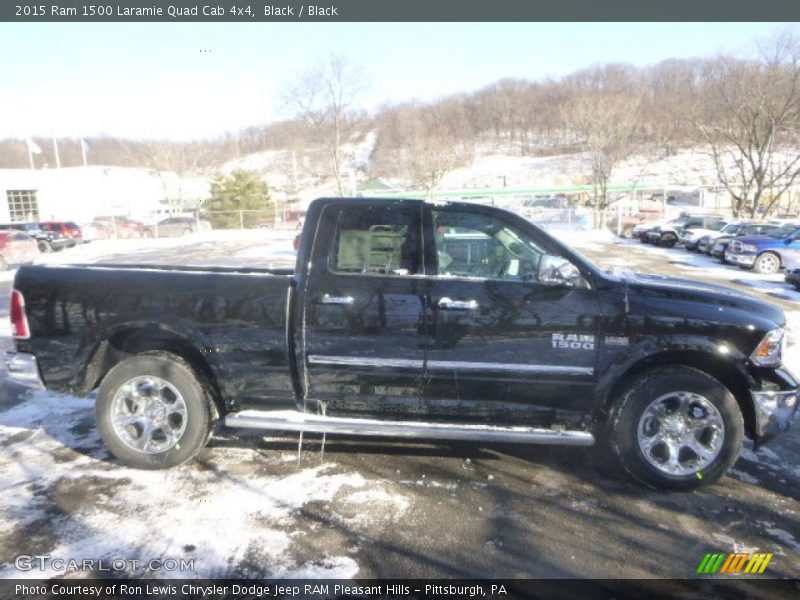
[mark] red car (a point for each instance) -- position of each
(66, 228)
(16, 248)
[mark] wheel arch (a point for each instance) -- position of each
(775, 253)
(135, 339)
(730, 375)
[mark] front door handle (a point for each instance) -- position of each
(343, 300)
(449, 304)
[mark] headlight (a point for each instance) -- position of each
(768, 353)
(749, 248)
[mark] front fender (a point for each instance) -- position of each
(716, 357)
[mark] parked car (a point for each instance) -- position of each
(66, 228)
(791, 268)
(47, 241)
(706, 242)
(641, 230)
(123, 227)
(764, 253)
(96, 230)
(378, 327)
(16, 248)
(666, 235)
(627, 225)
(719, 244)
(178, 226)
(689, 235)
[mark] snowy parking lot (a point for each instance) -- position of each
(255, 506)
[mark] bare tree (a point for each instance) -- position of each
(749, 115)
(605, 126)
(323, 98)
(178, 160)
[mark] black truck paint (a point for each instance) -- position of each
(405, 342)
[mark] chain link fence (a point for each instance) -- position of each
(251, 219)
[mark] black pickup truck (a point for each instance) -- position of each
(412, 319)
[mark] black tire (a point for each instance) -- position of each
(187, 232)
(667, 241)
(199, 409)
(44, 247)
(659, 382)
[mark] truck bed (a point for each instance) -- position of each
(82, 315)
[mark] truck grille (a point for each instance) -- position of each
(735, 246)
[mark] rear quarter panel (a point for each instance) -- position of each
(235, 320)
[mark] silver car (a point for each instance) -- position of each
(180, 226)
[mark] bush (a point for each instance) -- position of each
(240, 191)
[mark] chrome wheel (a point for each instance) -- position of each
(681, 433)
(148, 414)
(768, 263)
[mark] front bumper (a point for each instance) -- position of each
(745, 260)
(774, 413)
(23, 369)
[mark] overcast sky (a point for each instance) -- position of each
(152, 80)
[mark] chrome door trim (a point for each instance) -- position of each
(358, 361)
(526, 368)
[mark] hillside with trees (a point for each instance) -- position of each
(744, 114)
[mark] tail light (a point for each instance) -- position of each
(19, 321)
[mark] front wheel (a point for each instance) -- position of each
(153, 412)
(667, 241)
(767, 263)
(676, 428)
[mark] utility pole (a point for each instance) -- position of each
(55, 151)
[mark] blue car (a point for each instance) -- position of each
(765, 253)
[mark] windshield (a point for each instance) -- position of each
(783, 231)
(731, 228)
(716, 226)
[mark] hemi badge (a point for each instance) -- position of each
(613, 340)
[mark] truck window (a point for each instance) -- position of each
(477, 246)
(376, 240)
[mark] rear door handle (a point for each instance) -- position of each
(343, 300)
(449, 304)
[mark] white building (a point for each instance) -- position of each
(81, 193)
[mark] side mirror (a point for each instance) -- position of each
(557, 271)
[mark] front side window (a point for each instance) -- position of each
(377, 240)
(480, 246)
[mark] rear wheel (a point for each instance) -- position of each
(153, 412)
(676, 428)
(767, 263)
(44, 247)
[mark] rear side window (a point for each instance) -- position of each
(376, 240)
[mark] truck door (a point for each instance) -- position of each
(364, 322)
(504, 346)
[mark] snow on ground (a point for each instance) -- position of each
(50, 451)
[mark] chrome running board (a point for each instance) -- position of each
(290, 420)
